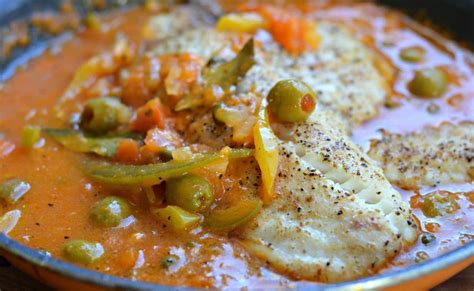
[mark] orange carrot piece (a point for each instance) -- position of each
(127, 151)
(149, 116)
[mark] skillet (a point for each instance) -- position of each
(454, 17)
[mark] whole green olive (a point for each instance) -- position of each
(110, 211)
(429, 83)
(291, 101)
(412, 54)
(104, 114)
(190, 192)
(82, 251)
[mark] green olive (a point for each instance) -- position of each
(429, 83)
(104, 114)
(110, 211)
(413, 54)
(190, 192)
(291, 101)
(82, 251)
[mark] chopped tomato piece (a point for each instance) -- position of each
(158, 139)
(149, 116)
(292, 31)
(128, 151)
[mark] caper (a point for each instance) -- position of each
(421, 256)
(413, 54)
(82, 251)
(427, 238)
(168, 261)
(291, 101)
(104, 114)
(428, 83)
(190, 192)
(433, 108)
(110, 211)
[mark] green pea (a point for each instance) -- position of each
(30, 135)
(190, 192)
(429, 83)
(413, 54)
(427, 238)
(13, 189)
(169, 261)
(82, 251)
(104, 114)
(110, 211)
(291, 101)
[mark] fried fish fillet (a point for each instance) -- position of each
(341, 71)
(436, 155)
(336, 217)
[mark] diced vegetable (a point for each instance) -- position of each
(9, 220)
(110, 211)
(427, 238)
(241, 22)
(180, 73)
(234, 216)
(169, 261)
(438, 203)
(291, 101)
(176, 218)
(266, 154)
(227, 74)
(182, 154)
(158, 140)
(188, 102)
(239, 118)
(295, 33)
(429, 83)
(100, 65)
(128, 151)
(413, 54)
(13, 190)
(149, 116)
(190, 192)
(82, 251)
(152, 174)
(76, 141)
(30, 135)
(104, 114)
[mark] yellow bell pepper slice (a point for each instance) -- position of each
(241, 22)
(176, 218)
(266, 154)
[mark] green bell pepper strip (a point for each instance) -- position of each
(153, 174)
(77, 142)
(234, 216)
(228, 73)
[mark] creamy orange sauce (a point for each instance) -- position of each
(57, 207)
